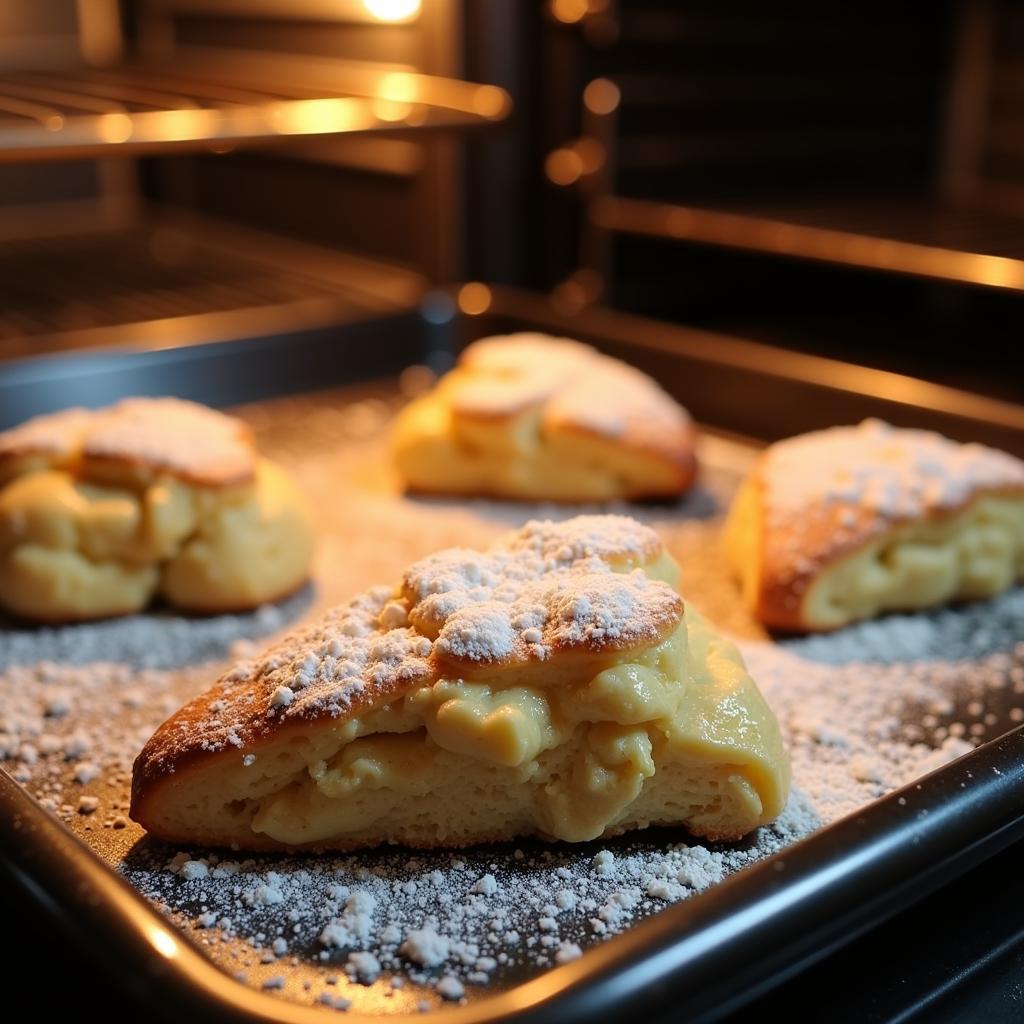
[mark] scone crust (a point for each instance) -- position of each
(796, 541)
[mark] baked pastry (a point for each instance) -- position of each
(102, 511)
(553, 685)
(530, 417)
(842, 524)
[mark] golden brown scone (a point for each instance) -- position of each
(846, 523)
(531, 417)
(254, 548)
(101, 511)
(553, 685)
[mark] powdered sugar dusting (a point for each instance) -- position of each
(59, 434)
(165, 434)
(549, 586)
(577, 386)
(176, 436)
(892, 473)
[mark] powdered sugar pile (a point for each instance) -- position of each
(864, 711)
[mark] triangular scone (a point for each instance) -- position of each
(842, 524)
(531, 417)
(550, 686)
(101, 511)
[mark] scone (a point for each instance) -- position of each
(553, 686)
(842, 524)
(536, 418)
(102, 511)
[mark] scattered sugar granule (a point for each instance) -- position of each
(86, 772)
(568, 951)
(449, 987)
(365, 967)
(487, 885)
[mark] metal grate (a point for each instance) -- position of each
(202, 100)
(52, 288)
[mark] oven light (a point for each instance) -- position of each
(393, 10)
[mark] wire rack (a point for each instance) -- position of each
(147, 283)
(213, 102)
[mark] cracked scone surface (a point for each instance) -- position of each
(531, 417)
(102, 511)
(553, 685)
(843, 524)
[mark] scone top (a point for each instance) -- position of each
(134, 441)
(891, 473)
(576, 587)
(868, 477)
(577, 387)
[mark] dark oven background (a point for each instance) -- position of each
(844, 180)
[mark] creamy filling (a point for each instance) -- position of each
(565, 756)
(603, 724)
(517, 454)
(975, 553)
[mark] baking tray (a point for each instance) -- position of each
(702, 958)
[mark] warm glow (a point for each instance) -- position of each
(319, 117)
(474, 298)
(569, 11)
(391, 110)
(601, 96)
(114, 127)
(489, 101)
(563, 166)
(393, 10)
(400, 86)
(591, 154)
(176, 125)
(163, 943)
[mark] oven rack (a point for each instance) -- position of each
(920, 239)
(215, 101)
(170, 277)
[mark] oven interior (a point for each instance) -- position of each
(846, 183)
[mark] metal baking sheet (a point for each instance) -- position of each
(702, 949)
